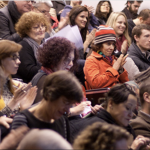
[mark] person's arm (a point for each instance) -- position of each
(131, 68)
(29, 66)
(18, 121)
(5, 30)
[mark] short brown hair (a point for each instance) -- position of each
(137, 30)
(27, 20)
(131, 2)
(144, 87)
(145, 14)
(62, 83)
(100, 136)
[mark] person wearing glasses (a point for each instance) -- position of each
(44, 8)
(31, 27)
(9, 16)
(103, 11)
(13, 96)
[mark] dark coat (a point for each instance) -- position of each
(128, 14)
(29, 66)
(131, 25)
(141, 125)
(7, 30)
(78, 125)
(141, 61)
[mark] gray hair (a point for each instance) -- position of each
(38, 2)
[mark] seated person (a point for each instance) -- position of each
(118, 21)
(32, 30)
(120, 103)
(141, 124)
(57, 100)
(102, 136)
(139, 49)
(12, 98)
(101, 68)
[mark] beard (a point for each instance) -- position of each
(133, 11)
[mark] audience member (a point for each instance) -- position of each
(120, 103)
(101, 67)
(55, 54)
(103, 11)
(102, 136)
(43, 139)
(66, 60)
(118, 21)
(141, 124)
(44, 7)
(31, 27)
(132, 8)
(143, 18)
(57, 100)
(2, 4)
(9, 16)
(138, 51)
(12, 97)
(92, 23)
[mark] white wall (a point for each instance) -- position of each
(117, 5)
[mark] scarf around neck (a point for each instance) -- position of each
(33, 44)
(109, 58)
(46, 70)
(14, 13)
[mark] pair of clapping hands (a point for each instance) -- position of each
(24, 96)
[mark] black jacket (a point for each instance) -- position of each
(141, 61)
(131, 25)
(29, 66)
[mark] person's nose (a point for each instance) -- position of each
(130, 114)
(85, 19)
(71, 63)
(18, 61)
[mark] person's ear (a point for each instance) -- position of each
(128, 4)
(136, 38)
(141, 20)
(110, 104)
(146, 97)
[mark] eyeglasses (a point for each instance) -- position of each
(43, 11)
(105, 5)
(38, 27)
(15, 57)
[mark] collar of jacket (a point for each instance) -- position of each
(134, 50)
(144, 116)
(96, 55)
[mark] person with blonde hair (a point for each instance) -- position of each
(31, 27)
(118, 21)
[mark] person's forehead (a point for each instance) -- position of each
(145, 31)
(43, 6)
(136, 3)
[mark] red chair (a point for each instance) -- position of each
(96, 96)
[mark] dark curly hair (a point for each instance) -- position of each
(100, 14)
(53, 50)
(75, 11)
(100, 136)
